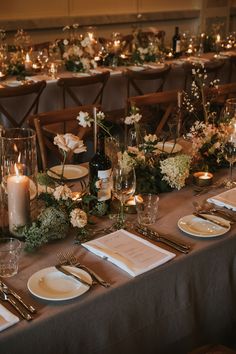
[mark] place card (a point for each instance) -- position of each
(129, 252)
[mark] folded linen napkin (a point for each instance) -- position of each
(7, 318)
(226, 199)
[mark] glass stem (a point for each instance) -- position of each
(122, 214)
(231, 172)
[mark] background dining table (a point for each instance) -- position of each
(174, 308)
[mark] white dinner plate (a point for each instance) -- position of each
(81, 74)
(198, 227)
(136, 68)
(13, 83)
(50, 284)
(70, 171)
(168, 147)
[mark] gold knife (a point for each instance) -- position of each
(75, 276)
(216, 222)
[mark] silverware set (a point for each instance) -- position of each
(157, 237)
(9, 295)
(68, 258)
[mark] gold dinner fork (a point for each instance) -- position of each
(69, 258)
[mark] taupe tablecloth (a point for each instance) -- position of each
(174, 308)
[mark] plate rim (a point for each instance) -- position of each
(85, 173)
(223, 231)
(52, 268)
(170, 143)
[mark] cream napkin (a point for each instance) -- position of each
(226, 199)
(7, 318)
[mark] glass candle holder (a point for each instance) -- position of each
(18, 175)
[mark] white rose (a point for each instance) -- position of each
(78, 218)
(62, 192)
(69, 142)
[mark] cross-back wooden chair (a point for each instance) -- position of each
(48, 124)
(213, 69)
(70, 88)
(29, 92)
(232, 67)
(135, 79)
(168, 100)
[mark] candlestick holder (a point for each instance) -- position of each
(19, 170)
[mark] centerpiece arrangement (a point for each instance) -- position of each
(210, 127)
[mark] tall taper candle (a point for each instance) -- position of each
(18, 201)
(95, 127)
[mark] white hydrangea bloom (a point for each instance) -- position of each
(175, 170)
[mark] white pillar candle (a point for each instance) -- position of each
(28, 62)
(18, 201)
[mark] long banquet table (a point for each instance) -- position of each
(183, 304)
(115, 92)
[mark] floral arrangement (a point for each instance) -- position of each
(79, 51)
(147, 47)
(208, 132)
(58, 207)
(156, 170)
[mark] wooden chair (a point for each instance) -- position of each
(232, 66)
(70, 87)
(48, 124)
(29, 93)
(167, 101)
(135, 79)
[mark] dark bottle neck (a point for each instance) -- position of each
(100, 143)
(176, 31)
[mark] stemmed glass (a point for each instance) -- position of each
(124, 185)
(230, 156)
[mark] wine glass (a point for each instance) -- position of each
(229, 111)
(124, 185)
(230, 156)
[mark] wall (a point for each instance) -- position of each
(45, 20)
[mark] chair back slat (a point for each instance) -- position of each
(48, 124)
(70, 85)
(30, 92)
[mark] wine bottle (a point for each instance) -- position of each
(176, 43)
(100, 173)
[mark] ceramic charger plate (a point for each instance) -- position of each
(198, 227)
(50, 284)
(70, 172)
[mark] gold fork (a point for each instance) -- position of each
(69, 258)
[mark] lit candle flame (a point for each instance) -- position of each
(27, 57)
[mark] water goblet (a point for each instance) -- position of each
(124, 185)
(230, 156)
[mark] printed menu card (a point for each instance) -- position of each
(131, 253)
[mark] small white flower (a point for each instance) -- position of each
(78, 218)
(65, 42)
(84, 119)
(62, 192)
(133, 118)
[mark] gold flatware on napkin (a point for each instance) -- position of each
(9, 291)
(21, 311)
(74, 276)
(155, 236)
(213, 221)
